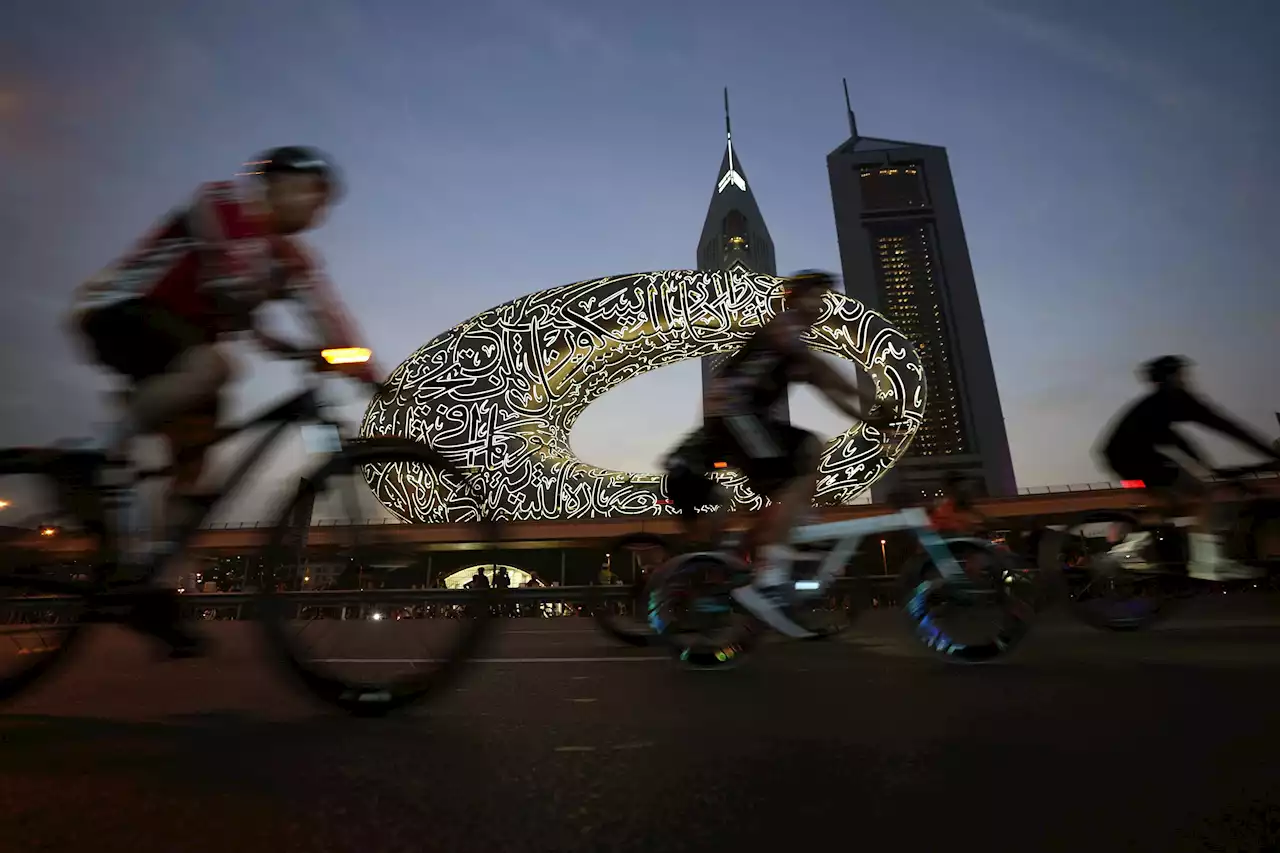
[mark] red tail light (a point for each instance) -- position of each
(1132, 484)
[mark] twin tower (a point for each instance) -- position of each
(903, 253)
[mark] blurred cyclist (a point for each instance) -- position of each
(954, 514)
(1135, 450)
(780, 460)
(160, 316)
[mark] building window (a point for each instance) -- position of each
(893, 186)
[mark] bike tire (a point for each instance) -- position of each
(351, 695)
(922, 582)
(1091, 598)
(677, 591)
(49, 465)
(637, 633)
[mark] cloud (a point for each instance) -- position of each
(1157, 84)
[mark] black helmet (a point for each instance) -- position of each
(298, 159)
(1160, 370)
(806, 280)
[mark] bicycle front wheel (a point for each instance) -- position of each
(49, 561)
(357, 622)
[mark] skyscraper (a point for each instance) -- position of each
(734, 234)
(903, 252)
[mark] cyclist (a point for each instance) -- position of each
(1134, 450)
(161, 315)
(779, 460)
(954, 513)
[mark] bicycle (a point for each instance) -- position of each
(41, 601)
(691, 611)
(1111, 593)
(625, 617)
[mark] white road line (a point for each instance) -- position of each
(494, 660)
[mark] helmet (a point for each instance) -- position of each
(297, 159)
(806, 280)
(1160, 370)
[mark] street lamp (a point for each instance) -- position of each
(4, 504)
(884, 560)
(47, 531)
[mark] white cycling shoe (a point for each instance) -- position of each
(1208, 564)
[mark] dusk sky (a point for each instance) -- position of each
(1115, 164)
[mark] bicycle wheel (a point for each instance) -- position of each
(49, 558)
(1101, 591)
(692, 613)
(973, 622)
(627, 619)
(375, 605)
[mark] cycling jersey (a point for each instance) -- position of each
(211, 263)
(1132, 447)
(947, 516)
(758, 375)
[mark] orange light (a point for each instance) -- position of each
(347, 355)
(4, 504)
(720, 464)
(47, 531)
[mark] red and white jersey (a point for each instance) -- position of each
(220, 243)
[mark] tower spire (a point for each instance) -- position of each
(848, 108)
(730, 174)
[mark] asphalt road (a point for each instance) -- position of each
(1160, 741)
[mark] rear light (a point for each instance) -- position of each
(1132, 484)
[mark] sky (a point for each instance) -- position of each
(1112, 160)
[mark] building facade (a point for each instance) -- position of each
(734, 237)
(903, 253)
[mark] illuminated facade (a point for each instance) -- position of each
(499, 393)
(734, 236)
(903, 251)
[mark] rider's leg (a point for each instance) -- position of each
(773, 526)
(194, 378)
(188, 437)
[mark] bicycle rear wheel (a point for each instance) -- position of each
(48, 561)
(627, 619)
(693, 614)
(375, 604)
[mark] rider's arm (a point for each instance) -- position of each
(785, 333)
(312, 289)
(1197, 412)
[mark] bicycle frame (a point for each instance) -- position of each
(302, 408)
(848, 535)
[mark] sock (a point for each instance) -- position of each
(777, 565)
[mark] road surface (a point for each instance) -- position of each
(560, 741)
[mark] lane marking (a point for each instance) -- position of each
(494, 660)
(582, 701)
(575, 749)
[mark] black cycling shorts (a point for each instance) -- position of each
(766, 451)
(1154, 469)
(138, 339)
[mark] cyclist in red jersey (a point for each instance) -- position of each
(954, 514)
(160, 315)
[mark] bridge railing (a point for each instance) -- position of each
(14, 609)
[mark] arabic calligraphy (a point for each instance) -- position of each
(499, 394)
